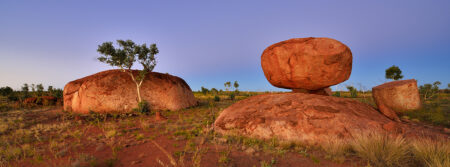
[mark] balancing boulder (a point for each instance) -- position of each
(300, 117)
(114, 91)
(397, 96)
(307, 63)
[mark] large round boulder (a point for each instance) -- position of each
(397, 96)
(300, 117)
(307, 63)
(114, 91)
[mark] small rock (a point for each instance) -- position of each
(222, 140)
(446, 130)
(135, 162)
(243, 148)
(100, 147)
(62, 153)
(76, 163)
(141, 155)
(250, 150)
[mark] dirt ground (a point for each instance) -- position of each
(51, 137)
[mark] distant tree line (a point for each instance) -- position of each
(27, 91)
(228, 91)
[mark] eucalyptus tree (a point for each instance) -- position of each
(394, 73)
(125, 55)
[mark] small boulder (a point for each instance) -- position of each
(114, 91)
(299, 117)
(397, 96)
(307, 63)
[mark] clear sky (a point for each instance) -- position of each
(210, 42)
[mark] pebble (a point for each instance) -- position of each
(250, 150)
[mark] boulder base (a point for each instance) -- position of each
(114, 91)
(299, 117)
(324, 91)
(397, 96)
(307, 63)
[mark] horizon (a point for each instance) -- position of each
(208, 44)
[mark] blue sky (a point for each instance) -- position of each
(210, 42)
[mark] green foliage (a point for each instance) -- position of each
(25, 91)
(6, 91)
(429, 91)
(214, 91)
(58, 93)
(394, 73)
(236, 85)
(232, 96)
(436, 112)
(40, 89)
(353, 91)
(227, 85)
(204, 90)
(143, 107)
(126, 55)
(216, 98)
(337, 94)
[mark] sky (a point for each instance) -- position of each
(210, 42)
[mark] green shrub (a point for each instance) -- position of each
(143, 107)
(4, 107)
(232, 96)
(337, 94)
(216, 98)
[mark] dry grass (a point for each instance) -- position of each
(337, 149)
(431, 153)
(382, 150)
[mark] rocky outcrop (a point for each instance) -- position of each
(114, 91)
(307, 63)
(397, 96)
(300, 117)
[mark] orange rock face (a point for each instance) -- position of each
(397, 96)
(299, 117)
(307, 63)
(114, 91)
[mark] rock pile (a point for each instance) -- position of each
(307, 65)
(114, 91)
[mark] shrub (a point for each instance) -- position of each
(4, 107)
(232, 96)
(216, 98)
(353, 91)
(143, 107)
(381, 149)
(337, 94)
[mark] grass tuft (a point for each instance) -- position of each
(431, 153)
(382, 150)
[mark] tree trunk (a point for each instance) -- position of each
(139, 92)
